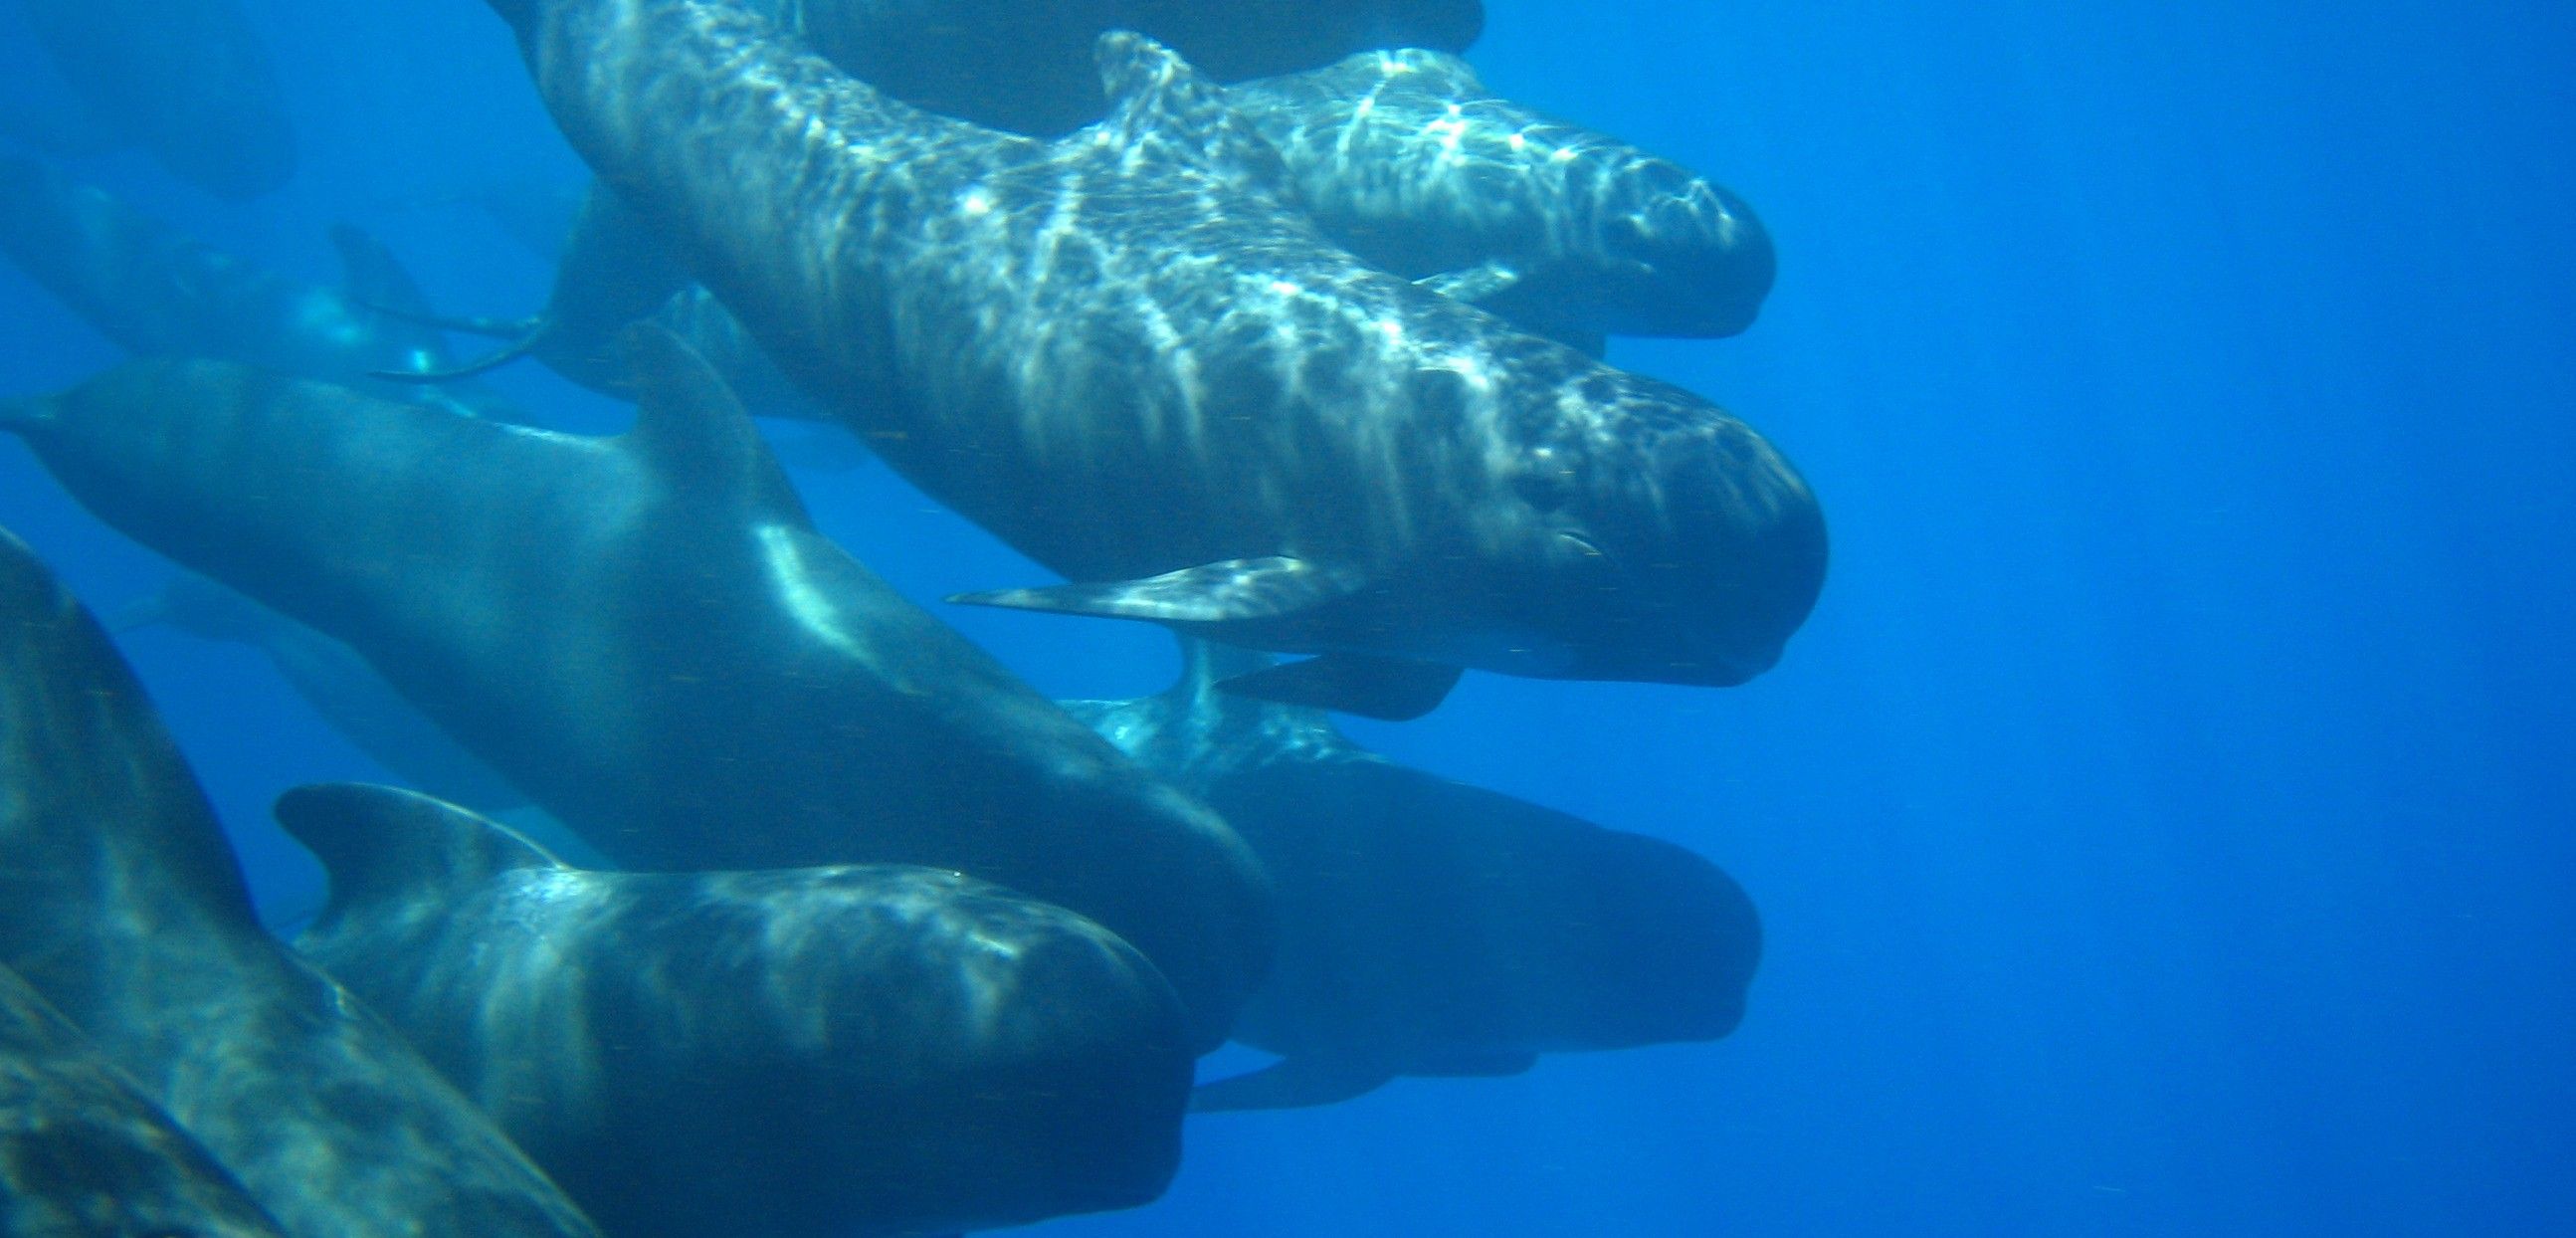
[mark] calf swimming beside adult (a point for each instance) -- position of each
(1129, 355)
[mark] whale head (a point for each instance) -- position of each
(1680, 256)
(1675, 545)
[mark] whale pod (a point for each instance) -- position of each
(646, 635)
(1130, 356)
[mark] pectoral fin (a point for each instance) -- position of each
(1290, 1083)
(1387, 689)
(1475, 284)
(1233, 591)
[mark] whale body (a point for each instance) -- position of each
(800, 1052)
(1024, 65)
(338, 684)
(1429, 927)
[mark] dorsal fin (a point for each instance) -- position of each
(97, 808)
(373, 276)
(1162, 108)
(1438, 74)
(380, 843)
(691, 431)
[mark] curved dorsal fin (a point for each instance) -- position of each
(1441, 75)
(381, 844)
(1162, 108)
(691, 432)
(374, 276)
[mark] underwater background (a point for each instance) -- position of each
(2167, 822)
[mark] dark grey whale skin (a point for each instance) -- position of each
(801, 1053)
(1429, 927)
(1128, 354)
(126, 912)
(84, 1155)
(646, 635)
(187, 80)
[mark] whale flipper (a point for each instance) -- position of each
(1265, 589)
(1387, 689)
(1476, 283)
(1273, 592)
(1290, 1083)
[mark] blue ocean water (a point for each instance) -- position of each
(2163, 825)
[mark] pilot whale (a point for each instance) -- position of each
(646, 635)
(187, 80)
(1406, 158)
(1428, 927)
(796, 1052)
(157, 292)
(84, 1155)
(125, 910)
(1131, 357)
